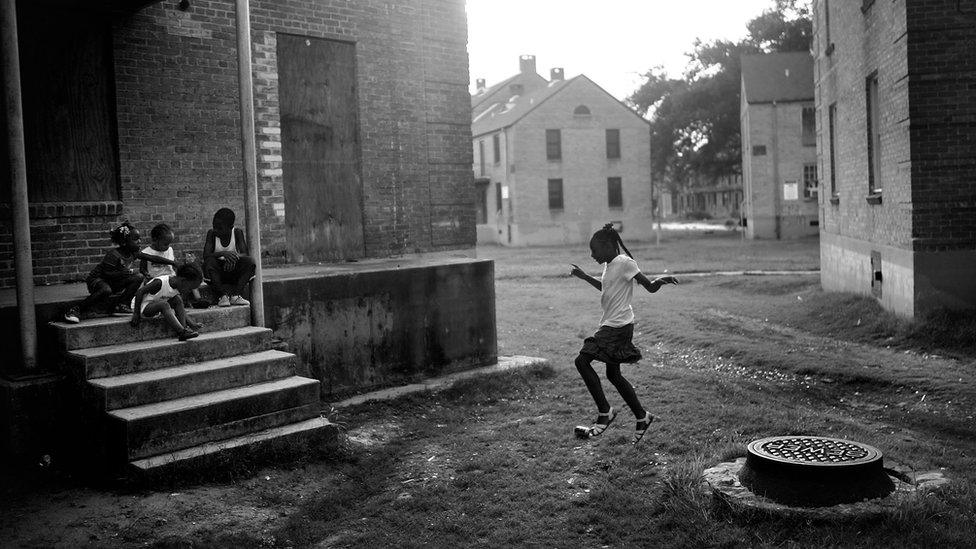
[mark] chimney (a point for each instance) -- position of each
(515, 89)
(480, 84)
(527, 64)
(555, 74)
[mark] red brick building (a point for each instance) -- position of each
(555, 162)
(896, 101)
(362, 123)
(779, 154)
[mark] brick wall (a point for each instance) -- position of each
(179, 132)
(863, 43)
(942, 106)
(915, 248)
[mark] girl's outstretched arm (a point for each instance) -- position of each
(654, 285)
(579, 273)
(144, 257)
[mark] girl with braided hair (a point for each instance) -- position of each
(612, 343)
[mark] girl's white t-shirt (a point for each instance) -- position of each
(157, 270)
(617, 290)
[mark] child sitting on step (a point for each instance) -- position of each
(226, 264)
(161, 295)
(114, 275)
(161, 237)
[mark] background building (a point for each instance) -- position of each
(896, 100)
(779, 154)
(556, 163)
(719, 198)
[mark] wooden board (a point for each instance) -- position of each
(320, 148)
(68, 91)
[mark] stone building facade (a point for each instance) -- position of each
(555, 164)
(895, 108)
(159, 137)
(779, 154)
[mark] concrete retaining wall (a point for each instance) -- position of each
(364, 328)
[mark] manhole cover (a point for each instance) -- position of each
(814, 471)
(814, 451)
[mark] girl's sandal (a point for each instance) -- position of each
(639, 432)
(597, 428)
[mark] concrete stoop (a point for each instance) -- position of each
(162, 405)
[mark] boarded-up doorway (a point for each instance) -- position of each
(320, 148)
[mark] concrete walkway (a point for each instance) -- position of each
(438, 383)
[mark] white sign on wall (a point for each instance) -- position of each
(505, 192)
(791, 190)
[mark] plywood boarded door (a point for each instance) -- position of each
(320, 148)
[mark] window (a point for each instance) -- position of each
(498, 197)
(615, 194)
(810, 182)
(808, 136)
(613, 143)
(497, 148)
(874, 135)
(581, 110)
(829, 47)
(759, 150)
(554, 145)
(555, 194)
(481, 203)
(831, 118)
(481, 157)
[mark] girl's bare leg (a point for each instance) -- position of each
(164, 307)
(176, 302)
(625, 389)
(592, 381)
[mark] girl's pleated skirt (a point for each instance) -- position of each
(612, 345)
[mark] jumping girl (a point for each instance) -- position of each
(612, 343)
(162, 296)
(112, 275)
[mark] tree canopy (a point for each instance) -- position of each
(695, 118)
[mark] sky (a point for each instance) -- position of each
(612, 42)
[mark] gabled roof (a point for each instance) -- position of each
(777, 77)
(500, 91)
(512, 109)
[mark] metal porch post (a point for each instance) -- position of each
(24, 272)
(249, 151)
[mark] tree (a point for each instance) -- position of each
(695, 119)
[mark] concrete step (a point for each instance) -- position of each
(114, 330)
(136, 389)
(163, 427)
(139, 356)
(300, 438)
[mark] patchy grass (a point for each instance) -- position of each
(492, 461)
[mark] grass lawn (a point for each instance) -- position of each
(492, 462)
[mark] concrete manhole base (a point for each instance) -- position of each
(723, 482)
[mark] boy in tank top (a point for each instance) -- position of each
(225, 261)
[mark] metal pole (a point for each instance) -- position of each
(249, 152)
(24, 272)
(650, 177)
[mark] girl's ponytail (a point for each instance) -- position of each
(615, 237)
(120, 234)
